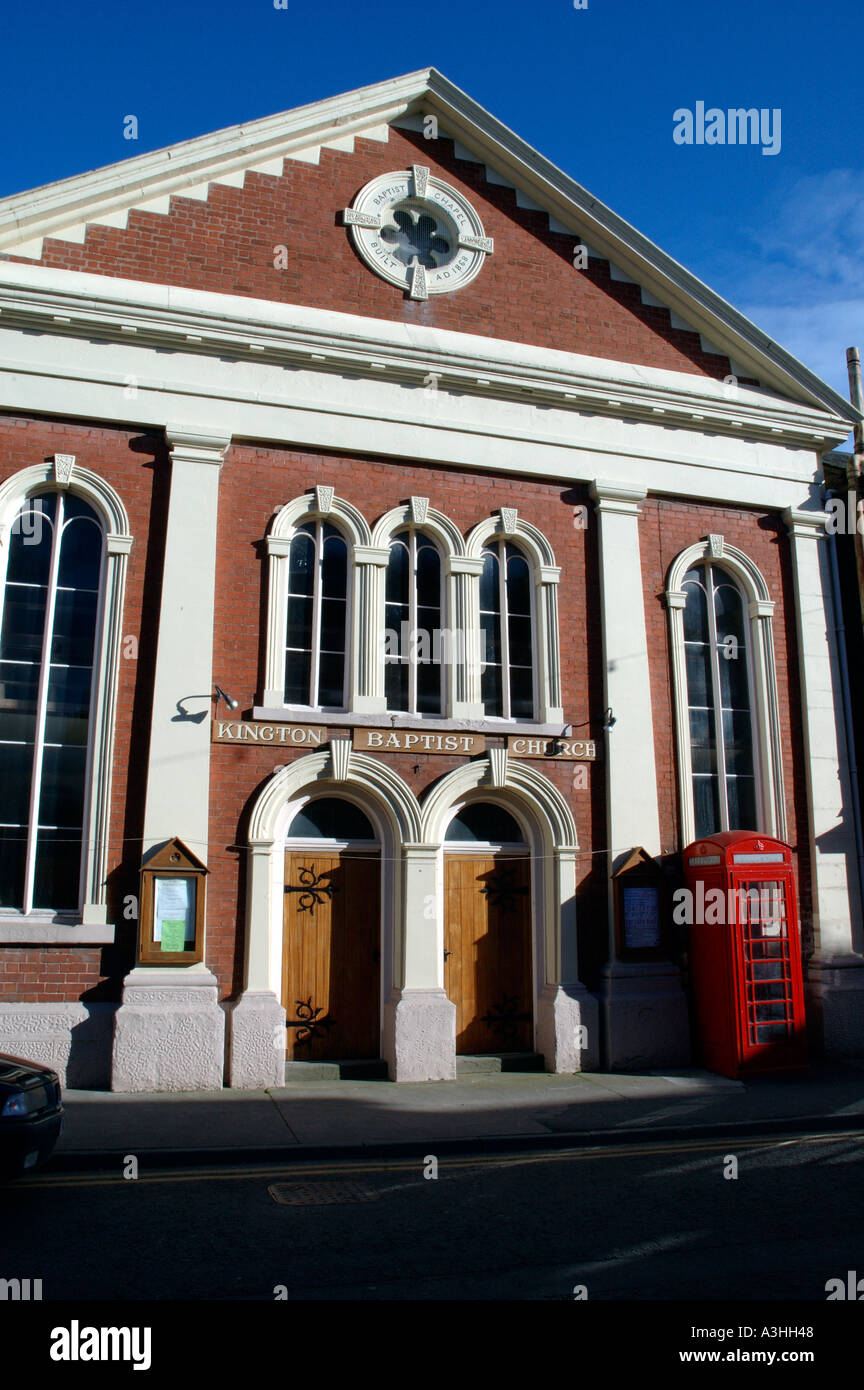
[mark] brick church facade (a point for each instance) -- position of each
(275, 402)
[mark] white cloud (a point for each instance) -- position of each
(806, 290)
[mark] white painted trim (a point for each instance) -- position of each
(506, 524)
(391, 806)
(830, 839)
(632, 813)
(361, 635)
(178, 768)
(79, 305)
(767, 746)
(27, 217)
(109, 507)
(550, 832)
(23, 933)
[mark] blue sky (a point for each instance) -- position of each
(780, 236)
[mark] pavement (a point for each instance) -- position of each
(342, 1119)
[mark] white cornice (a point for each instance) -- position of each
(184, 167)
(193, 322)
(147, 182)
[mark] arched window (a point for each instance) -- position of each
(506, 629)
(730, 773)
(719, 702)
(484, 822)
(413, 638)
(47, 656)
(317, 617)
(331, 818)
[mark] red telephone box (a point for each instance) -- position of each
(745, 956)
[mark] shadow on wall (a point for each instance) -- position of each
(74, 1039)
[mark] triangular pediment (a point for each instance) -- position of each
(630, 267)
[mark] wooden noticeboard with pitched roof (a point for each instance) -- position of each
(171, 922)
(641, 898)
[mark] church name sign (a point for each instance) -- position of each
(411, 741)
(252, 731)
(463, 743)
(564, 749)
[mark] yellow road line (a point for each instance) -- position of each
(304, 1172)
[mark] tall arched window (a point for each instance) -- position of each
(414, 635)
(506, 629)
(719, 702)
(47, 651)
(317, 617)
(730, 769)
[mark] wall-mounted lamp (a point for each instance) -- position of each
(221, 695)
(567, 731)
(608, 720)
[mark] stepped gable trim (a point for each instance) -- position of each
(187, 168)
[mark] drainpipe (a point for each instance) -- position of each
(856, 463)
(846, 697)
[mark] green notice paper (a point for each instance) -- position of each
(173, 934)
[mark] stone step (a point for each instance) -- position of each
(365, 1069)
(487, 1064)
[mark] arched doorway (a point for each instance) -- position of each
(487, 930)
(331, 957)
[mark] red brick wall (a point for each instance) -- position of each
(135, 466)
(528, 290)
(257, 480)
(667, 527)
(254, 482)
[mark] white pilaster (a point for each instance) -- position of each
(645, 1010)
(463, 576)
(836, 970)
(370, 567)
(419, 1032)
(631, 778)
(178, 774)
(169, 1032)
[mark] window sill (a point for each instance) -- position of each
(387, 720)
(17, 930)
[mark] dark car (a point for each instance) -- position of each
(31, 1114)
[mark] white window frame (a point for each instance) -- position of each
(117, 543)
(411, 534)
(500, 554)
(369, 553)
(317, 598)
(758, 614)
(318, 506)
(507, 525)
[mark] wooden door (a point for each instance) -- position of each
(331, 956)
(487, 944)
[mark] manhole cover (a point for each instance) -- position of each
(319, 1194)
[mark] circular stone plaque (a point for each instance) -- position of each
(418, 233)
